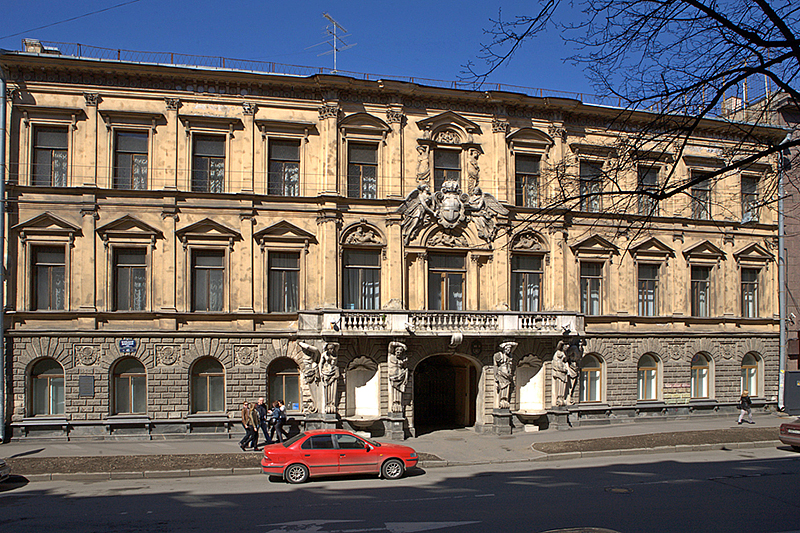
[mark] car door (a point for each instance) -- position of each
(320, 454)
(355, 456)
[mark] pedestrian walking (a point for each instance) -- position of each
(745, 408)
(255, 421)
(263, 417)
(277, 420)
(249, 429)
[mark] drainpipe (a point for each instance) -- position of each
(2, 253)
(782, 277)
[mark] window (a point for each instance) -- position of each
(446, 275)
(284, 383)
(526, 282)
(130, 160)
(701, 278)
(446, 167)
(362, 170)
(284, 168)
(591, 186)
(749, 199)
(591, 373)
(591, 285)
(349, 442)
(283, 280)
(701, 198)
(50, 157)
(648, 183)
(527, 180)
(130, 279)
(130, 387)
(208, 271)
(318, 442)
(47, 386)
(361, 279)
(648, 377)
(208, 386)
(648, 290)
(749, 292)
(700, 376)
(208, 163)
(750, 374)
(49, 278)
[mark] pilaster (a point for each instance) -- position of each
(171, 145)
(249, 110)
(393, 173)
(328, 222)
(88, 167)
(328, 115)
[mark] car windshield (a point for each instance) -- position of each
(371, 442)
(294, 439)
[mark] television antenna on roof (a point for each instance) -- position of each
(337, 43)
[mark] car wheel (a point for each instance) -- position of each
(393, 469)
(296, 473)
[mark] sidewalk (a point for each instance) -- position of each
(95, 460)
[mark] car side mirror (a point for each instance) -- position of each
(369, 448)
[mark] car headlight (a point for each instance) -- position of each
(413, 454)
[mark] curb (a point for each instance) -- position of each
(208, 472)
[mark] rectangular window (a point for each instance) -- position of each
(208, 163)
(527, 180)
(446, 275)
(749, 292)
(130, 279)
(701, 279)
(284, 282)
(591, 285)
(648, 290)
(526, 282)
(701, 198)
(362, 170)
(591, 186)
(208, 272)
(446, 167)
(749, 199)
(648, 183)
(130, 160)
(49, 278)
(284, 168)
(361, 281)
(50, 157)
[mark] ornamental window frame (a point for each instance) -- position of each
(200, 125)
(363, 129)
(285, 130)
(33, 117)
(283, 237)
(118, 121)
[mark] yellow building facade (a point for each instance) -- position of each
(181, 239)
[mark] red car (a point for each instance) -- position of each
(333, 452)
(790, 434)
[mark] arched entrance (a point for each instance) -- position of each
(445, 393)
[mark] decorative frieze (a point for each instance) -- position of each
(167, 354)
(245, 355)
(86, 354)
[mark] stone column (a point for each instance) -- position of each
(167, 267)
(242, 269)
(328, 221)
(505, 193)
(249, 110)
(394, 271)
(88, 167)
(84, 265)
(170, 146)
(328, 114)
(393, 172)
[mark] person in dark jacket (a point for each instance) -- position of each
(745, 408)
(277, 421)
(255, 423)
(249, 428)
(263, 417)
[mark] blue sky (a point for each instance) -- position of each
(428, 39)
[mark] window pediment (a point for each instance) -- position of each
(652, 249)
(44, 112)
(600, 151)
(753, 254)
(529, 138)
(364, 123)
(128, 227)
(228, 124)
(285, 127)
(363, 235)
(448, 118)
(284, 232)
(704, 252)
(594, 247)
(529, 241)
(208, 230)
(47, 224)
(653, 156)
(708, 160)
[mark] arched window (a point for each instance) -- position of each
(130, 387)
(284, 383)
(591, 379)
(648, 378)
(701, 371)
(750, 376)
(208, 386)
(47, 387)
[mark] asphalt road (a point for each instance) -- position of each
(752, 491)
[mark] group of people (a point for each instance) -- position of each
(259, 415)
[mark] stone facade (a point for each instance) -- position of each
(257, 212)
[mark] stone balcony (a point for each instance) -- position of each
(341, 323)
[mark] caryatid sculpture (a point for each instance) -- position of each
(329, 373)
(503, 372)
(398, 375)
(311, 356)
(561, 375)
